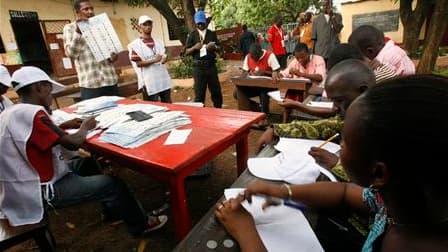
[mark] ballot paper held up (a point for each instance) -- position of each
(100, 36)
(177, 136)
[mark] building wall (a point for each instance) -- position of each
(363, 7)
(119, 13)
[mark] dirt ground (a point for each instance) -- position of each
(80, 228)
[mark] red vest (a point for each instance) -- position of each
(262, 63)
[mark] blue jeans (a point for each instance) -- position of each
(110, 191)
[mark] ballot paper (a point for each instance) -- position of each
(177, 136)
(259, 77)
(293, 164)
(298, 79)
(317, 104)
(275, 95)
(282, 229)
(60, 116)
(100, 36)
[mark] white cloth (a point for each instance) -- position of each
(6, 102)
(155, 77)
(20, 188)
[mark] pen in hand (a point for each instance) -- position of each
(328, 140)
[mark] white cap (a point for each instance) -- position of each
(28, 75)
(143, 19)
(5, 78)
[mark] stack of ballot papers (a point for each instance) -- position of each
(317, 104)
(93, 107)
(281, 228)
(293, 164)
(131, 134)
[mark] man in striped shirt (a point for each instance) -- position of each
(95, 78)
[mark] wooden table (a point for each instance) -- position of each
(214, 130)
(266, 82)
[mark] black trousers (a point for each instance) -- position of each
(88, 93)
(207, 77)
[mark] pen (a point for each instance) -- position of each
(328, 140)
(274, 201)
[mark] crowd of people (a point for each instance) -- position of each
(391, 121)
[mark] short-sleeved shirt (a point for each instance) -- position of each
(316, 65)
(270, 59)
(276, 37)
(397, 58)
(44, 136)
(194, 37)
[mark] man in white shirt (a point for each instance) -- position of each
(5, 84)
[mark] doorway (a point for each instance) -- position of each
(29, 39)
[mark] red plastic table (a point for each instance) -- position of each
(213, 131)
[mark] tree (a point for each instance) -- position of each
(412, 21)
(436, 30)
(256, 13)
(183, 8)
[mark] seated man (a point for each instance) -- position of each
(5, 83)
(258, 62)
(340, 53)
(370, 41)
(32, 163)
(348, 79)
(306, 66)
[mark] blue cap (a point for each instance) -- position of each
(199, 17)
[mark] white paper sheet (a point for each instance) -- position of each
(259, 77)
(67, 63)
(320, 104)
(275, 95)
(302, 146)
(281, 228)
(177, 136)
(54, 46)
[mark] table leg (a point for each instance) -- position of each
(242, 152)
(243, 99)
(181, 216)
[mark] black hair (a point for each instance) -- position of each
(277, 18)
(366, 36)
(342, 52)
(255, 51)
(300, 47)
(404, 125)
(244, 27)
(77, 4)
(23, 91)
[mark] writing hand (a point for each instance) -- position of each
(323, 157)
(88, 124)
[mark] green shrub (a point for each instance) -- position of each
(184, 68)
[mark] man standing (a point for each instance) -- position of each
(276, 36)
(246, 39)
(202, 45)
(304, 29)
(326, 29)
(147, 56)
(95, 78)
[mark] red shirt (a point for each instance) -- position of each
(149, 42)
(44, 136)
(262, 63)
(276, 37)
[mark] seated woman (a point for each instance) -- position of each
(387, 140)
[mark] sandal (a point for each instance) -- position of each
(155, 223)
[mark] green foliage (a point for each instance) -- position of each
(183, 69)
(256, 13)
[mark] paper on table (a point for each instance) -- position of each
(177, 136)
(298, 78)
(276, 95)
(281, 228)
(259, 77)
(320, 104)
